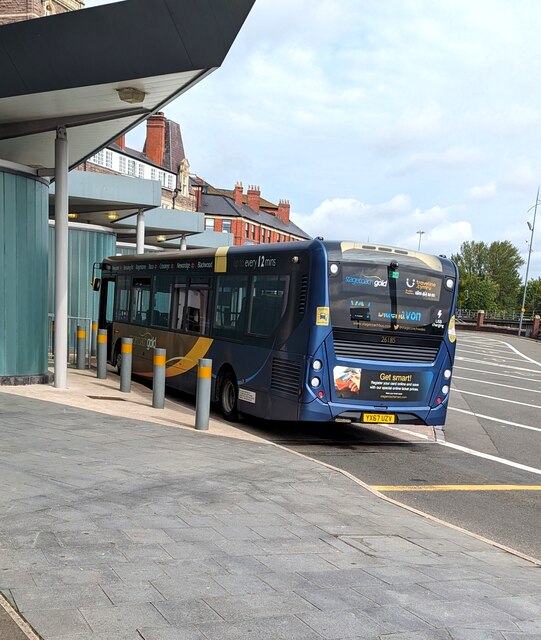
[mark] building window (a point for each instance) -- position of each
(170, 181)
(153, 174)
(131, 167)
(226, 226)
(109, 159)
(122, 164)
(98, 158)
(246, 229)
(161, 177)
(141, 170)
(209, 224)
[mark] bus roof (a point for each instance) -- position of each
(348, 251)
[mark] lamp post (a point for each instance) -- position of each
(531, 227)
(420, 233)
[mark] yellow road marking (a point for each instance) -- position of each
(458, 487)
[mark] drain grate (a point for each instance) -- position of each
(106, 398)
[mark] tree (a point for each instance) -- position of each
(472, 258)
(497, 264)
(533, 295)
(504, 262)
(476, 292)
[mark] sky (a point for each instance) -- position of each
(378, 119)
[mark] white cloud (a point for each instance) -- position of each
(395, 223)
(484, 192)
(336, 105)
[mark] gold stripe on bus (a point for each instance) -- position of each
(102, 338)
(94, 326)
(81, 333)
(126, 348)
(159, 361)
(191, 359)
(220, 262)
(204, 372)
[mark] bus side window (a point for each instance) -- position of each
(269, 296)
(161, 300)
(179, 302)
(230, 312)
(140, 301)
(122, 306)
(197, 308)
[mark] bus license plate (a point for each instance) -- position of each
(379, 417)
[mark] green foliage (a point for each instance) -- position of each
(533, 295)
(476, 292)
(489, 275)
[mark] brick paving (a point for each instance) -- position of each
(118, 528)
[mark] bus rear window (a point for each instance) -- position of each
(375, 297)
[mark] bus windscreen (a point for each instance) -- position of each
(379, 298)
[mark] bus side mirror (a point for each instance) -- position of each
(95, 284)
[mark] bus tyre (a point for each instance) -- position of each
(228, 398)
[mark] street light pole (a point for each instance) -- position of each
(532, 229)
(420, 233)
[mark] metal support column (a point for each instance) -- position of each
(61, 168)
(140, 242)
(183, 242)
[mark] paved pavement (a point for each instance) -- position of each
(115, 527)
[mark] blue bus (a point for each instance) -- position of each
(304, 331)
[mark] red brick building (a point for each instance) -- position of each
(249, 217)
(17, 10)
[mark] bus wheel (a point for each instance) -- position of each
(228, 398)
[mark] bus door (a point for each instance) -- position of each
(107, 302)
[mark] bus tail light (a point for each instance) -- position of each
(447, 374)
(315, 382)
(320, 394)
(438, 400)
(445, 390)
(317, 365)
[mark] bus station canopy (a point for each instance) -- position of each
(101, 71)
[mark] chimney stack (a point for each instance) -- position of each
(155, 142)
(283, 211)
(121, 142)
(237, 194)
(253, 197)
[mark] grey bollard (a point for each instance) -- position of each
(93, 338)
(101, 364)
(158, 380)
(202, 398)
(81, 347)
(126, 348)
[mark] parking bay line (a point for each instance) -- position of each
(504, 422)
(457, 487)
(482, 395)
(496, 364)
(497, 384)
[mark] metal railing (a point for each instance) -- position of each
(73, 323)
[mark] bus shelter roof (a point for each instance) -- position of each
(101, 71)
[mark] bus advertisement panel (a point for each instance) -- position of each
(315, 330)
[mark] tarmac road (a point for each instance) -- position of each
(486, 476)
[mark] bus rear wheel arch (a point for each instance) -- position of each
(228, 395)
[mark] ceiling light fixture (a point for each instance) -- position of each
(73, 216)
(112, 216)
(161, 238)
(131, 95)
